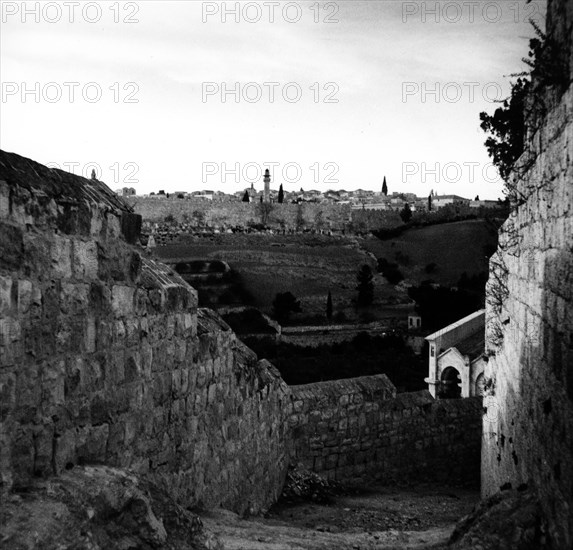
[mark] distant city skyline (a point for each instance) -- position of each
(176, 95)
(290, 192)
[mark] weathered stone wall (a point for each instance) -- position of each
(239, 214)
(528, 430)
(359, 429)
(314, 336)
(104, 357)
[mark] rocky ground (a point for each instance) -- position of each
(366, 519)
(102, 508)
(98, 508)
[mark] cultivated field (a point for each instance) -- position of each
(307, 266)
(311, 265)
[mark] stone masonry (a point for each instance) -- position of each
(358, 430)
(104, 357)
(283, 216)
(528, 428)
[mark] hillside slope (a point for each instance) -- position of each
(454, 247)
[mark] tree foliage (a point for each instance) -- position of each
(329, 306)
(440, 307)
(264, 211)
(284, 304)
(406, 213)
(507, 126)
(281, 197)
(507, 129)
(390, 271)
(246, 197)
(299, 221)
(365, 286)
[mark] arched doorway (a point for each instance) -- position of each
(450, 387)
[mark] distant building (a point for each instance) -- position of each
(485, 204)
(414, 322)
(439, 201)
(126, 192)
(456, 362)
(371, 206)
(207, 194)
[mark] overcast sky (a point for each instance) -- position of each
(352, 85)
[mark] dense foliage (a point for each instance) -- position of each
(507, 129)
(406, 213)
(390, 271)
(365, 286)
(284, 304)
(526, 103)
(364, 355)
(441, 306)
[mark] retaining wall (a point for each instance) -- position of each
(359, 429)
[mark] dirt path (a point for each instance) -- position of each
(378, 518)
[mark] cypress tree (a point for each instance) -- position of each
(365, 286)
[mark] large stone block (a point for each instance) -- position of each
(8, 298)
(11, 246)
(85, 259)
(122, 300)
(61, 257)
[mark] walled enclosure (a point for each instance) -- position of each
(359, 430)
(336, 217)
(104, 357)
(528, 437)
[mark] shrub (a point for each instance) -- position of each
(390, 271)
(284, 304)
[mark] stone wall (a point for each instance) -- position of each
(104, 357)
(359, 429)
(315, 216)
(327, 335)
(528, 429)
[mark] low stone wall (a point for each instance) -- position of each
(314, 336)
(358, 429)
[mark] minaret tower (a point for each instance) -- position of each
(267, 191)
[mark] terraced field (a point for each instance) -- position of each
(307, 266)
(311, 265)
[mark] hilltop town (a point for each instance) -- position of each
(356, 199)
